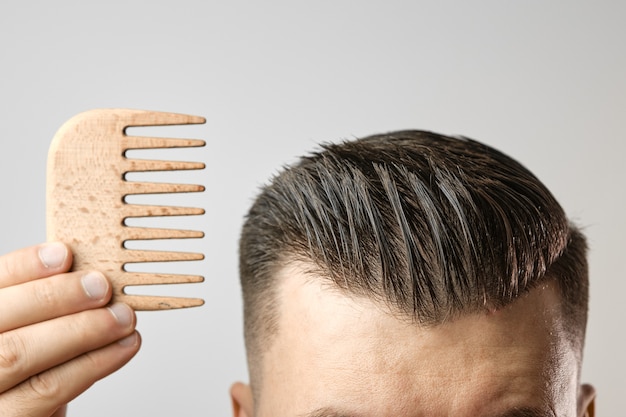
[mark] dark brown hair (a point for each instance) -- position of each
(433, 226)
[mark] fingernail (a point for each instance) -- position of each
(95, 285)
(53, 255)
(122, 313)
(129, 341)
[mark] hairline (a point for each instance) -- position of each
(313, 273)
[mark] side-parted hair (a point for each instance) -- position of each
(432, 226)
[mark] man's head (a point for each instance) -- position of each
(411, 274)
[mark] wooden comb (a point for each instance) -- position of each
(86, 208)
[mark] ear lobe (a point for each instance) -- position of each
(586, 401)
(241, 399)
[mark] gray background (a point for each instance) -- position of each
(541, 80)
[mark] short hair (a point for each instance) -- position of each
(430, 225)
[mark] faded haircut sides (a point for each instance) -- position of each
(432, 226)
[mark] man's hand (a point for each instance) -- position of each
(56, 336)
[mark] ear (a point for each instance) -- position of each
(241, 398)
(586, 401)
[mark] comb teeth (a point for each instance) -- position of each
(142, 142)
(159, 188)
(148, 302)
(85, 193)
(133, 118)
(139, 210)
(142, 165)
(148, 233)
(139, 278)
(140, 256)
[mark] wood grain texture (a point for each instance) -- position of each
(85, 199)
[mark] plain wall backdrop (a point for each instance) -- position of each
(541, 80)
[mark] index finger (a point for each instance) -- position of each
(34, 262)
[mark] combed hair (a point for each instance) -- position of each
(432, 226)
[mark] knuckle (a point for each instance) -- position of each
(44, 386)
(7, 267)
(45, 294)
(11, 354)
(87, 326)
(92, 361)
